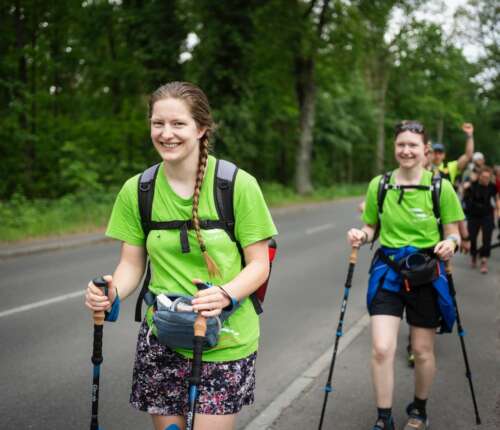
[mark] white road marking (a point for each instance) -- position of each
(266, 418)
(35, 305)
(320, 228)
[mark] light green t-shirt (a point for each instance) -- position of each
(173, 270)
(411, 223)
(451, 169)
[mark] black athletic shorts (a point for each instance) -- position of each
(422, 309)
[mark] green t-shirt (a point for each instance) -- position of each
(450, 169)
(411, 223)
(173, 271)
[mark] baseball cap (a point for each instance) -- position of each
(438, 147)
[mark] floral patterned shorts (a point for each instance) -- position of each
(161, 380)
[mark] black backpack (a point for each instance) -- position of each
(434, 188)
(223, 192)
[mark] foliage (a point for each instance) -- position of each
(75, 77)
(89, 211)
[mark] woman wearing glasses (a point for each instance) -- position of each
(407, 271)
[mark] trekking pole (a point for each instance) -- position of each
(461, 334)
(97, 355)
(328, 386)
(200, 328)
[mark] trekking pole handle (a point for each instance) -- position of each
(103, 285)
(200, 326)
(354, 255)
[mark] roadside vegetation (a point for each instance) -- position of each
(24, 219)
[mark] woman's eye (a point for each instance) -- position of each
(157, 124)
(178, 124)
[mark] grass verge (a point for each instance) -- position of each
(24, 219)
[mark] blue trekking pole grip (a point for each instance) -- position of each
(97, 355)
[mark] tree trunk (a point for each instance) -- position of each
(378, 83)
(22, 67)
(380, 151)
(115, 83)
(306, 91)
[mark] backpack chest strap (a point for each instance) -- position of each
(402, 189)
(183, 226)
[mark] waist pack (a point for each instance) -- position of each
(174, 327)
(416, 269)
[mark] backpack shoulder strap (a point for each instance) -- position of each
(225, 177)
(436, 202)
(383, 185)
(146, 193)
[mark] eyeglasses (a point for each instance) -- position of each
(413, 126)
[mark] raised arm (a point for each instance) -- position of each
(465, 158)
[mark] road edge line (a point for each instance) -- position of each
(41, 303)
(272, 412)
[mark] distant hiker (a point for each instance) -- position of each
(187, 242)
(416, 215)
(481, 207)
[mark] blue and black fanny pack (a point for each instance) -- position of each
(174, 328)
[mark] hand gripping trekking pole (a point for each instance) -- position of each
(328, 386)
(97, 355)
(461, 334)
(200, 328)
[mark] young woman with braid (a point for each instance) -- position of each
(181, 125)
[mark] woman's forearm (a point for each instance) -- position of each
(130, 269)
(249, 279)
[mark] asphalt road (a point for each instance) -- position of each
(45, 368)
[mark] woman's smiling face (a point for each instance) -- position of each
(409, 149)
(174, 131)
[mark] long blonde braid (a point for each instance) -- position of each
(213, 270)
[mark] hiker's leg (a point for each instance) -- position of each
(384, 330)
(163, 422)
(209, 422)
(487, 228)
(425, 362)
(473, 227)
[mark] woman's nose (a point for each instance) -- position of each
(166, 131)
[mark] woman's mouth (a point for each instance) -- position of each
(169, 145)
